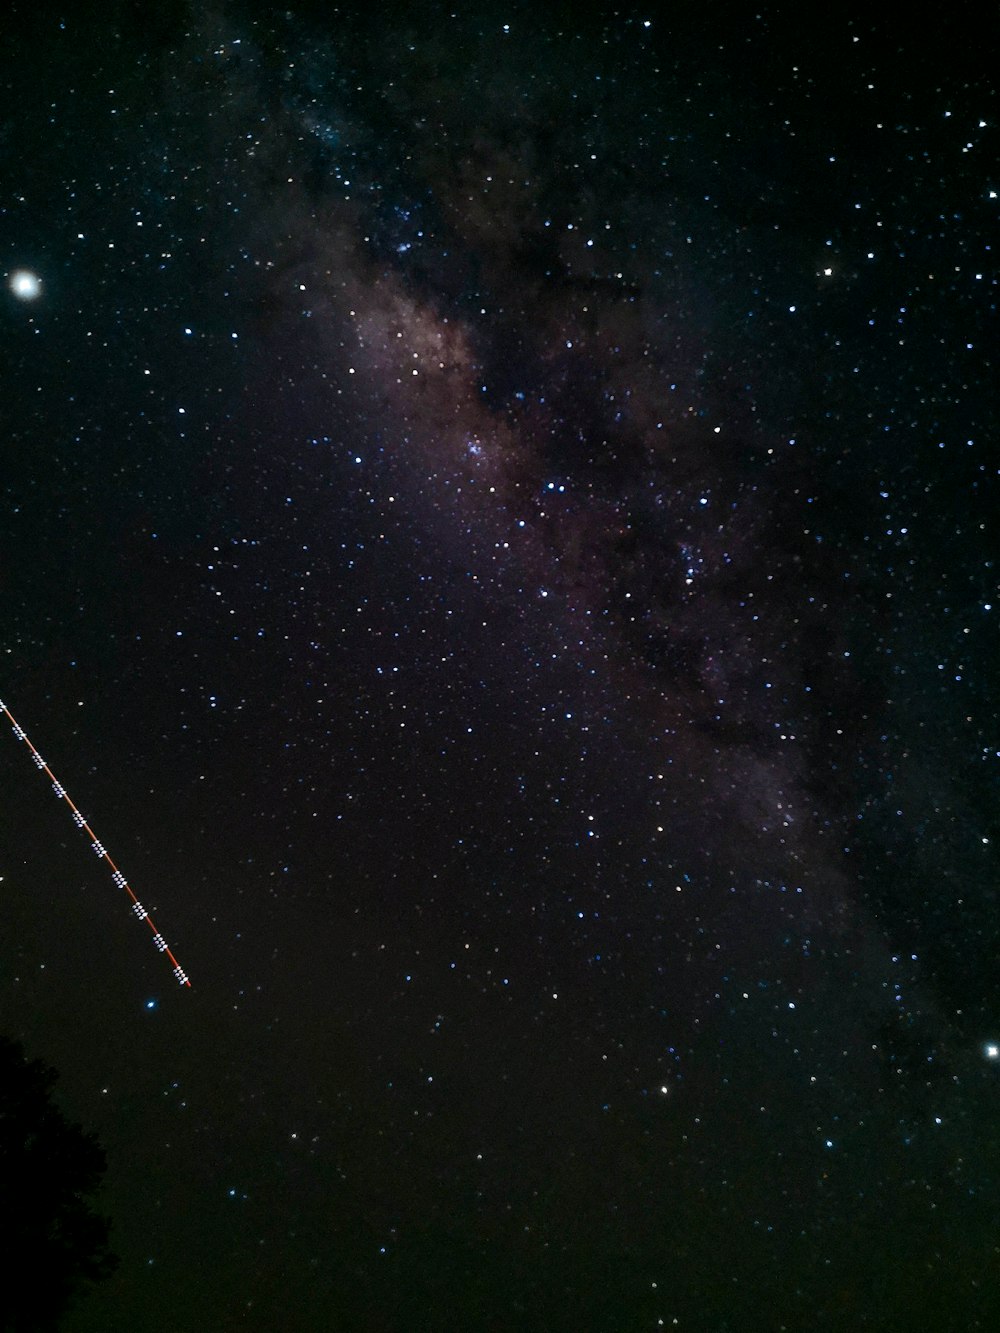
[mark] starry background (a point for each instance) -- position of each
(497, 538)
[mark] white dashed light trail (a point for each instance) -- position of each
(97, 845)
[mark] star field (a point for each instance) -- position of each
(498, 530)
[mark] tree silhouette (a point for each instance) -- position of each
(56, 1244)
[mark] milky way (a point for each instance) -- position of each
(540, 429)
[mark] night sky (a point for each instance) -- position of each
(497, 536)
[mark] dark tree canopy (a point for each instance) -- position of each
(56, 1243)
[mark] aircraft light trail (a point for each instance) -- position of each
(97, 845)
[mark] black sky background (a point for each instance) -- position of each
(566, 772)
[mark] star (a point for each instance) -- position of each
(25, 285)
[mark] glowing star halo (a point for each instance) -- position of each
(25, 285)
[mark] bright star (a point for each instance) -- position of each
(25, 285)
